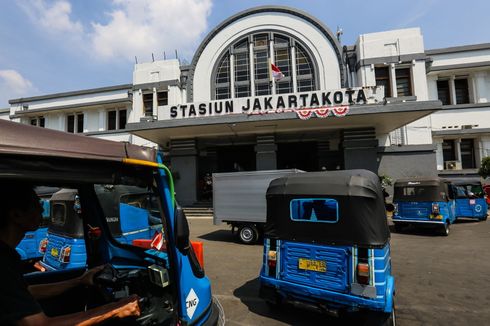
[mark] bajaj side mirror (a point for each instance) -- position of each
(181, 231)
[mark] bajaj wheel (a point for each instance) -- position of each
(398, 227)
(445, 229)
(248, 234)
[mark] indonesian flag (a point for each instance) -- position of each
(276, 73)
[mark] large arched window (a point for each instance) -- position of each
(244, 69)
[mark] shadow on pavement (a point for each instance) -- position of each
(248, 294)
(219, 235)
(462, 220)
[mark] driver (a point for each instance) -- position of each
(20, 212)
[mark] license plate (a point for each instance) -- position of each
(54, 252)
(312, 265)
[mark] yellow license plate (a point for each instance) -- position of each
(54, 252)
(312, 265)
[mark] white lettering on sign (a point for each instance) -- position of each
(191, 303)
(317, 103)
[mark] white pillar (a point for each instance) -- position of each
(392, 72)
(272, 56)
(293, 69)
(232, 75)
(155, 102)
(452, 90)
(252, 71)
(439, 154)
(457, 143)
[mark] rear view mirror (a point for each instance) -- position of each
(181, 231)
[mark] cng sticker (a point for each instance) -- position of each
(191, 303)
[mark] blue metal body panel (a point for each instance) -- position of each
(188, 282)
(28, 248)
(420, 212)
(471, 207)
(333, 287)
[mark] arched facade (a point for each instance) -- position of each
(245, 43)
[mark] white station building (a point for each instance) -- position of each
(385, 104)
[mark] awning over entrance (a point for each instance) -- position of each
(383, 117)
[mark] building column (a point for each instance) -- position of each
(452, 90)
(360, 148)
(457, 147)
(183, 161)
(392, 72)
(155, 102)
(266, 157)
(439, 154)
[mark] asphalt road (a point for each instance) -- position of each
(439, 280)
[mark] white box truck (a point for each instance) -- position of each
(239, 200)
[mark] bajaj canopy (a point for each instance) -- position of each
(360, 207)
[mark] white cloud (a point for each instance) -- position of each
(14, 85)
(134, 28)
(139, 28)
(53, 18)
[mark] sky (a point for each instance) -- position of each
(52, 46)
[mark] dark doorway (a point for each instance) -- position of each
(235, 158)
(303, 156)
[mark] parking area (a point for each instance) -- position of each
(439, 280)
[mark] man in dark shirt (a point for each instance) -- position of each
(20, 212)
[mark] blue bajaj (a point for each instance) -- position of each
(424, 201)
(327, 245)
(470, 199)
(127, 210)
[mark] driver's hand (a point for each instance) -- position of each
(128, 307)
(88, 277)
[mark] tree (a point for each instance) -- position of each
(484, 170)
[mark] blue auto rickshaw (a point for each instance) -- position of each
(128, 215)
(326, 244)
(30, 247)
(424, 201)
(470, 199)
(171, 283)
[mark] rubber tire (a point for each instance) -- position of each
(484, 218)
(446, 229)
(382, 318)
(248, 234)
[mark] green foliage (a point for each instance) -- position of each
(386, 180)
(484, 170)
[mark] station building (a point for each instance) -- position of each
(384, 103)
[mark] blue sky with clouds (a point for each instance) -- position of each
(51, 46)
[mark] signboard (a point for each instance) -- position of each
(320, 104)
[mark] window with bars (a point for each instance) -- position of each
(403, 82)
(116, 119)
(461, 91)
(148, 104)
(443, 93)
(257, 52)
(74, 123)
(37, 121)
(382, 75)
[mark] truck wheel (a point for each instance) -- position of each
(248, 234)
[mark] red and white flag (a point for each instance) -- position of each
(276, 73)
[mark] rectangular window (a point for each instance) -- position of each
(148, 104)
(323, 210)
(70, 123)
(42, 122)
(242, 91)
(162, 98)
(111, 120)
(262, 89)
(34, 122)
(305, 85)
(448, 150)
(467, 153)
(443, 92)
(261, 64)
(382, 75)
(116, 119)
(79, 122)
(123, 119)
(403, 82)
(461, 90)
(222, 92)
(242, 67)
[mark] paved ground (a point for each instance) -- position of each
(439, 280)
